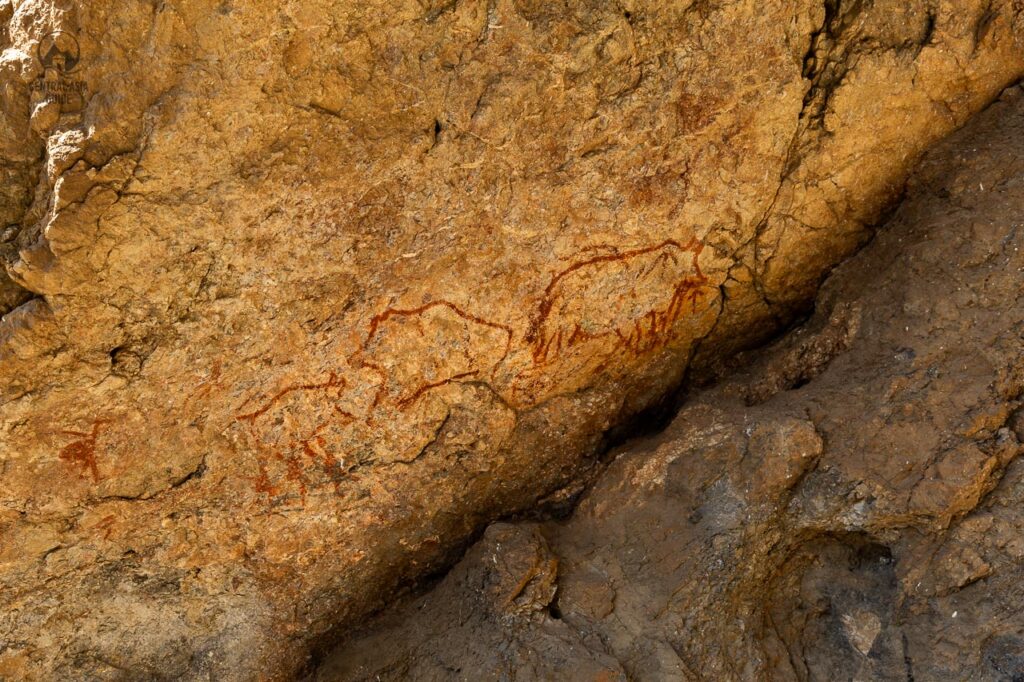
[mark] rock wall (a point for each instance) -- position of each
(845, 507)
(298, 296)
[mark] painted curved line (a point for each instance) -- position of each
(379, 318)
(405, 402)
(333, 381)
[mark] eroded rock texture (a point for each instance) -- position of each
(848, 506)
(299, 295)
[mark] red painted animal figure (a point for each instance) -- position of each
(626, 300)
(292, 432)
(419, 349)
(82, 452)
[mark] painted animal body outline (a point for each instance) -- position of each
(645, 332)
(285, 454)
(406, 399)
(333, 381)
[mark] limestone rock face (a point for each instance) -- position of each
(846, 506)
(300, 295)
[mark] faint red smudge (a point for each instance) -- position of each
(105, 526)
(261, 483)
(205, 387)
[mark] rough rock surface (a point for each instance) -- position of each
(848, 505)
(299, 295)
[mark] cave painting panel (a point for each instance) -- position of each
(597, 306)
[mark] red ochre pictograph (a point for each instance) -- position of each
(568, 317)
(296, 472)
(82, 452)
(333, 381)
(448, 344)
(476, 360)
(289, 454)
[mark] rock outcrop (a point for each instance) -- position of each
(846, 506)
(300, 295)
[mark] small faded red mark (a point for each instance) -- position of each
(106, 526)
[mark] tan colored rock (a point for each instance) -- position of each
(301, 295)
(850, 522)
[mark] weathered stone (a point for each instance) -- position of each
(859, 521)
(301, 295)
